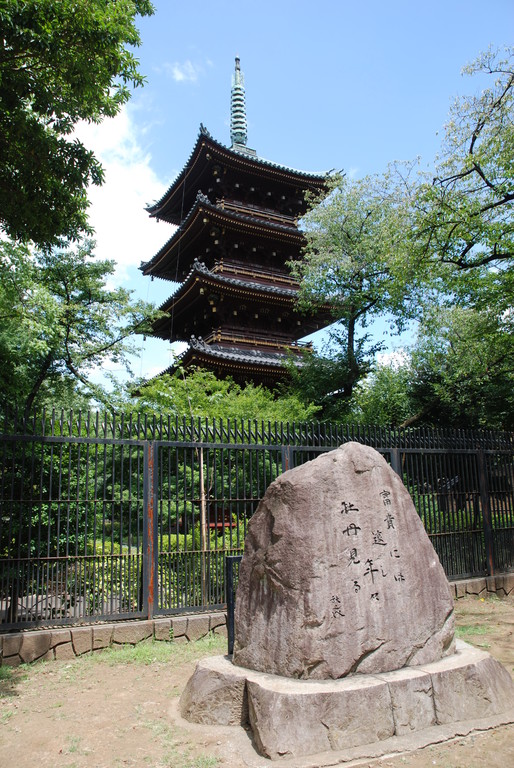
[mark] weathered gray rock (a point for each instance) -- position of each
(82, 639)
(197, 627)
(293, 718)
(179, 627)
(162, 629)
(302, 717)
(12, 644)
(132, 633)
(35, 646)
(215, 694)
(102, 636)
(344, 622)
(469, 685)
(339, 575)
(412, 699)
(64, 651)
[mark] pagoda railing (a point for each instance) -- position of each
(271, 340)
(240, 269)
(256, 211)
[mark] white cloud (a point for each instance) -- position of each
(184, 72)
(123, 229)
(124, 232)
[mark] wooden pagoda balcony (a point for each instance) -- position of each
(256, 211)
(272, 341)
(254, 272)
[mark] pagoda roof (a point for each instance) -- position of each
(193, 226)
(237, 355)
(200, 276)
(181, 193)
(200, 271)
(234, 360)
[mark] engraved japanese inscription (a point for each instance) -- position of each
(339, 575)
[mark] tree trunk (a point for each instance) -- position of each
(37, 384)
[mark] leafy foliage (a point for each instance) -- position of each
(464, 215)
(383, 398)
(435, 249)
(61, 61)
(199, 393)
(462, 368)
(459, 374)
(59, 323)
(354, 262)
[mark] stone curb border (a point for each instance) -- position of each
(47, 644)
(502, 585)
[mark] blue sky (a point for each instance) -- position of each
(330, 84)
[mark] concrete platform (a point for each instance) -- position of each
(357, 714)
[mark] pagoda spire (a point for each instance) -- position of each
(238, 125)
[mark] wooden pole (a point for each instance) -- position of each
(203, 532)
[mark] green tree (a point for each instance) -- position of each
(459, 373)
(354, 262)
(383, 398)
(60, 322)
(465, 212)
(463, 369)
(326, 379)
(436, 249)
(200, 394)
(61, 61)
(460, 247)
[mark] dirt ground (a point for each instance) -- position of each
(119, 708)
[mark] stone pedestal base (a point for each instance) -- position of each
(292, 718)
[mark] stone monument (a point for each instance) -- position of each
(344, 628)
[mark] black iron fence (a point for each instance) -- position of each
(113, 517)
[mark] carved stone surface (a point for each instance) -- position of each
(412, 699)
(339, 576)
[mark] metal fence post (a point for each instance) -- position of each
(486, 512)
(150, 553)
(396, 462)
(230, 596)
(287, 457)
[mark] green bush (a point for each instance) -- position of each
(103, 547)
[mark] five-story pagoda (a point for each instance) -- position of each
(237, 228)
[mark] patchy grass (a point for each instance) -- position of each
(5, 673)
(173, 758)
(74, 746)
(471, 633)
(10, 677)
(155, 651)
(470, 629)
(146, 653)
(118, 708)
(6, 716)
(479, 616)
(65, 690)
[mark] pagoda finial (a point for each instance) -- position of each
(238, 125)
